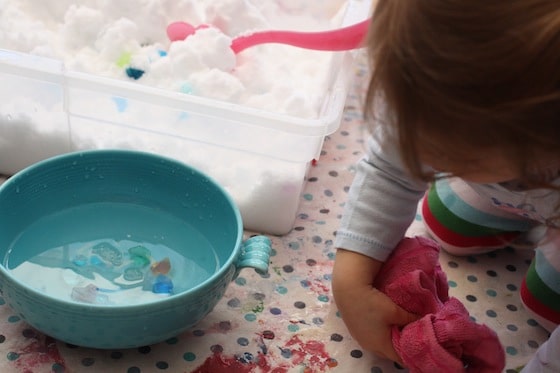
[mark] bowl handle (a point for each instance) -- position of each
(255, 253)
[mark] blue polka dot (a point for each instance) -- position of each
(198, 333)
(234, 303)
(286, 352)
(532, 322)
(189, 356)
(511, 287)
(452, 284)
(317, 239)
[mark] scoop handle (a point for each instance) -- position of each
(346, 38)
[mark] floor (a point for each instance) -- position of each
(286, 321)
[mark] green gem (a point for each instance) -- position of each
(124, 59)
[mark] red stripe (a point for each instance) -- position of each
(458, 240)
(536, 306)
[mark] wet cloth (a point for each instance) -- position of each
(444, 339)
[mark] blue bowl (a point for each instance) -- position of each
(119, 249)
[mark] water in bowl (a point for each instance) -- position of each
(112, 254)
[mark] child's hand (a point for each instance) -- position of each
(368, 313)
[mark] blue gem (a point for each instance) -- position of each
(162, 285)
(134, 73)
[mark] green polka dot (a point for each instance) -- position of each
(320, 222)
(281, 289)
(189, 356)
(172, 341)
(250, 317)
(13, 319)
(293, 327)
(491, 293)
(452, 284)
(241, 281)
(293, 245)
(258, 308)
(308, 197)
(323, 298)
(510, 350)
(12, 356)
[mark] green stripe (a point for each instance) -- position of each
(540, 290)
(453, 222)
(460, 207)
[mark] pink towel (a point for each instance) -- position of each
(445, 339)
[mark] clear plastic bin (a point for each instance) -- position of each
(260, 158)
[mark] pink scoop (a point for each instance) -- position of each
(345, 38)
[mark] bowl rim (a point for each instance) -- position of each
(174, 298)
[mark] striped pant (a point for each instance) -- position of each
(465, 223)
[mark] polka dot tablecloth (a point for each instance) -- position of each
(286, 321)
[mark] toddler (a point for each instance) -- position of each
(464, 102)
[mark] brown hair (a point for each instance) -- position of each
(459, 76)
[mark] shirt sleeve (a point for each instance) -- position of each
(382, 200)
